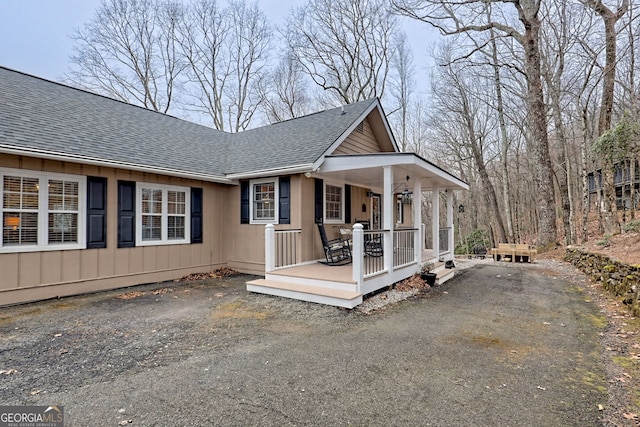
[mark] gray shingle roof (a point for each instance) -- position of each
(37, 114)
(293, 142)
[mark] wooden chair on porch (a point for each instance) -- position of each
(336, 251)
(372, 243)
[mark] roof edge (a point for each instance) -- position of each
(289, 170)
(52, 155)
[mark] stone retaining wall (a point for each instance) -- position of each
(618, 278)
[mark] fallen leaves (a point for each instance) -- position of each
(221, 272)
(130, 295)
(413, 282)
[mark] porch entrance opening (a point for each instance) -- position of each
(376, 212)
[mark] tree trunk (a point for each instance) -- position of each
(504, 151)
(562, 172)
(585, 191)
(543, 174)
(632, 186)
(612, 225)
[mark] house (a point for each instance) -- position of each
(98, 194)
(626, 182)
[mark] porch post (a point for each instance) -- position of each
(269, 248)
(417, 220)
(357, 255)
(451, 241)
(387, 218)
(435, 221)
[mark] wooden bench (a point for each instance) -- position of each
(514, 252)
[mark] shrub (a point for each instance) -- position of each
(477, 238)
(632, 226)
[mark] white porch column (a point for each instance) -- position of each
(387, 218)
(435, 221)
(357, 255)
(451, 242)
(417, 220)
(269, 248)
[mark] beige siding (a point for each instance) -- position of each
(359, 142)
(29, 276)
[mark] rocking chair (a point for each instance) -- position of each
(372, 242)
(336, 251)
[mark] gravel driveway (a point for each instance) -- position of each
(497, 345)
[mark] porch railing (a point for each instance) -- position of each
(404, 247)
(373, 262)
(287, 247)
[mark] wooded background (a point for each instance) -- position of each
(527, 97)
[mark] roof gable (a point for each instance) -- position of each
(296, 142)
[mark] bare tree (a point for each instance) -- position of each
(402, 88)
(505, 144)
(227, 51)
(469, 16)
(345, 46)
(284, 94)
(473, 116)
(251, 38)
(127, 52)
(565, 26)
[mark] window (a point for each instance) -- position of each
(162, 214)
(333, 204)
(41, 211)
(264, 201)
(63, 211)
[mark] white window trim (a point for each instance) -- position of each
(43, 211)
(276, 196)
(164, 240)
(324, 204)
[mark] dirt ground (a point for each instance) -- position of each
(500, 344)
(622, 247)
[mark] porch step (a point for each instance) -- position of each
(442, 275)
(317, 294)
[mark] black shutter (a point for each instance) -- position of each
(126, 214)
(196, 215)
(319, 197)
(347, 203)
(284, 209)
(96, 212)
(244, 202)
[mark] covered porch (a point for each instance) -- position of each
(400, 180)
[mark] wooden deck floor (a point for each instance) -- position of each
(336, 273)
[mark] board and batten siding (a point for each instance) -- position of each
(359, 142)
(31, 276)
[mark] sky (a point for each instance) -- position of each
(34, 34)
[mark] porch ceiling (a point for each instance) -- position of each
(366, 170)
